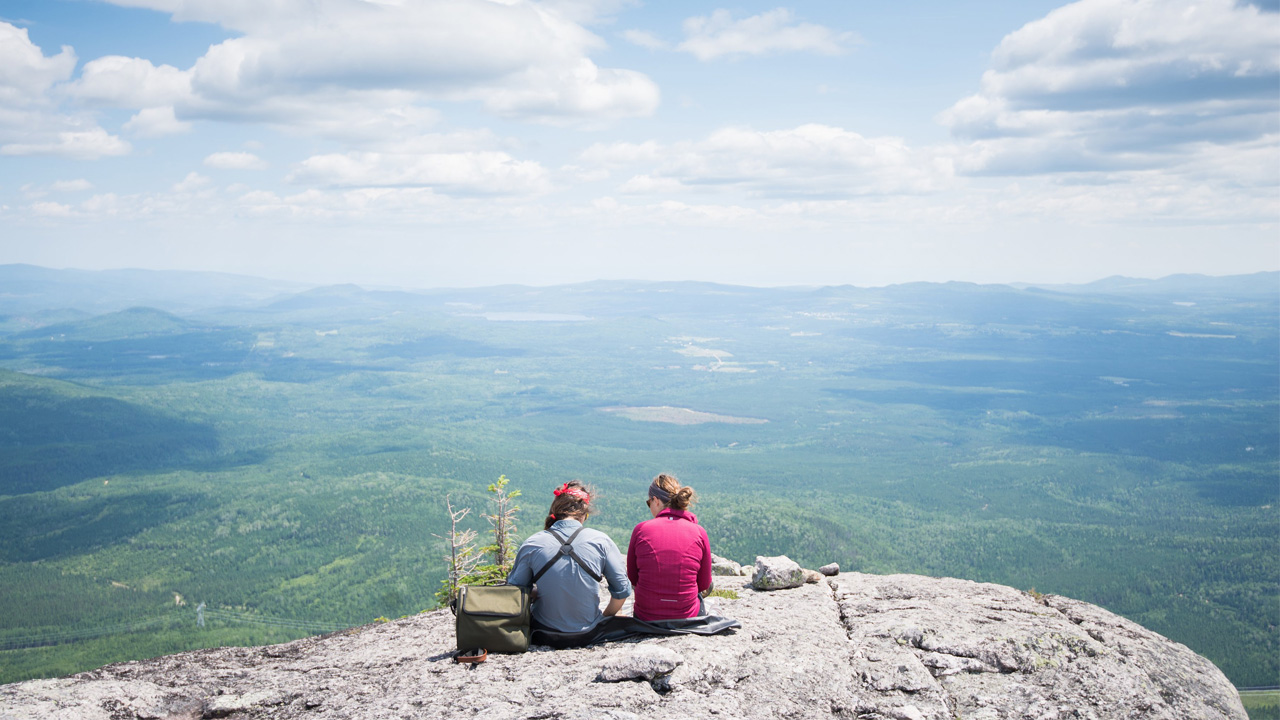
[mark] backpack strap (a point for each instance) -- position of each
(566, 548)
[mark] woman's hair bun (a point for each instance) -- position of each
(682, 498)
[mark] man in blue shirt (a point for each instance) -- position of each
(568, 588)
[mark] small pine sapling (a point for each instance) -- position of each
(502, 524)
(463, 556)
(501, 552)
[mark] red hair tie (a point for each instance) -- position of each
(573, 492)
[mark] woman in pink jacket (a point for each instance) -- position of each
(669, 557)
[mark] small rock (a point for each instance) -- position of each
(174, 707)
(724, 566)
(777, 573)
(602, 714)
(224, 705)
(829, 570)
(812, 576)
(907, 712)
(639, 662)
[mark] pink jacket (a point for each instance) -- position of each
(669, 563)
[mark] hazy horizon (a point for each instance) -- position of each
(409, 288)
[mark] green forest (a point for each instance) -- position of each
(286, 462)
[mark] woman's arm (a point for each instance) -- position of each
(704, 570)
(633, 570)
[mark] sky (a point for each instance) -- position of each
(446, 143)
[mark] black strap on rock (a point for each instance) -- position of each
(566, 548)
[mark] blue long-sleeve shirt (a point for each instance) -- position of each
(568, 598)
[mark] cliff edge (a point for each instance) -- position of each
(871, 647)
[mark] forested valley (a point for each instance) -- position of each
(282, 456)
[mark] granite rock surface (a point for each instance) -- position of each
(869, 647)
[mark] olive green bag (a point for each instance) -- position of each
(493, 617)
(496, 617)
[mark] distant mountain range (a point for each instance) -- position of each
(1259, 283)
(49, 296)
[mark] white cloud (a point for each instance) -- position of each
(297, 60)
(354, 117)
(196, 197)
(460, 141)
(387, 204)
(235, 161)
(102, 205)
(466, 173)
(1107, 85)
(776, 31)
(1144, 51)
(589, 11)
(50, 209)
(568, 93)
(25, 73)
(645, 39)
(815, 161)
(648, 185)
(154, 122)
(30, 120)
(84, 145)
(78, 185)
(624, 153)
(131, 82)
(193, 182)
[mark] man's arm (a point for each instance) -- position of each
(521, 572)
(615, 604)
(614, 573)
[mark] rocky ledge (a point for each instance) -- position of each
(872, 647)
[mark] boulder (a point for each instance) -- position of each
(725, 566)
(777, 573)
(830, 569)
(638, 662)
(225, 705)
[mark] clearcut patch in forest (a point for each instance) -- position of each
(678, 416)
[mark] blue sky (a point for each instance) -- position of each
(423, 143)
